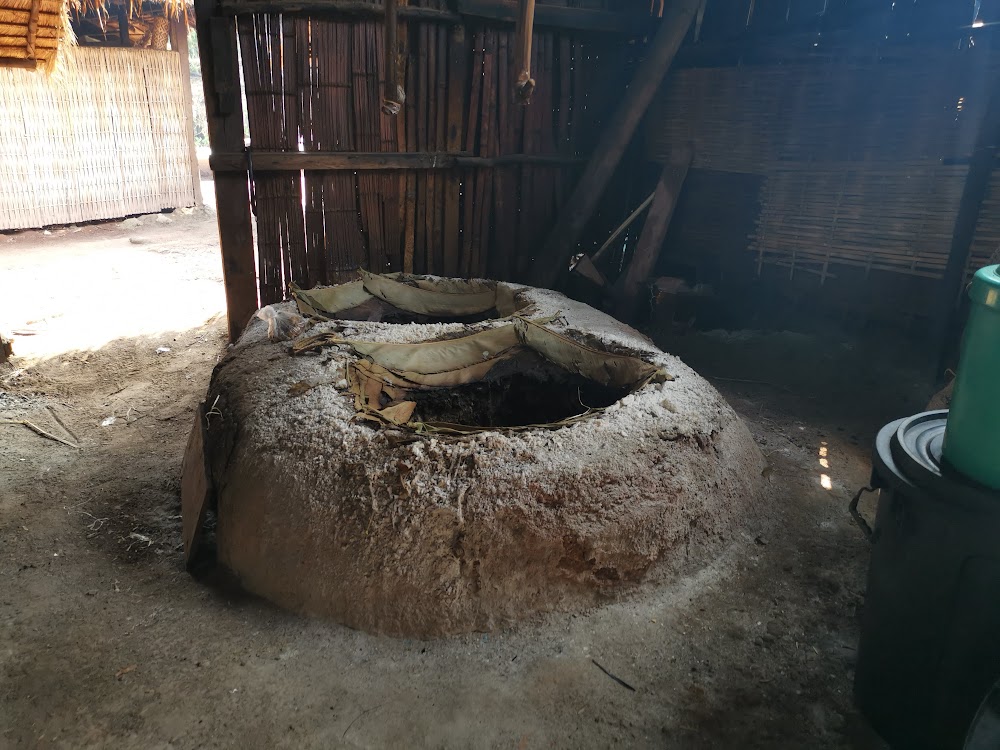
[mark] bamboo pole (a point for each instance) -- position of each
(392, 99)
(524, 84)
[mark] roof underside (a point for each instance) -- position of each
(32, 32)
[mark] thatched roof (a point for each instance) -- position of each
(32, 32)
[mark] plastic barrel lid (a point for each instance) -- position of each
(916, 450)
(985, 287)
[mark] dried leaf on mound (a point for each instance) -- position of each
(605, 368)
(378, 387)
(462, 298)
(387, 377)
(327, 301)
(453, 298)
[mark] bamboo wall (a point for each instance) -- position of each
(862, 165)
(108, 136)
(316, 84)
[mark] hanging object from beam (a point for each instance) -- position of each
(524, 86)
(394, 96)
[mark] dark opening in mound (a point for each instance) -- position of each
(525, 391)
(376, 310)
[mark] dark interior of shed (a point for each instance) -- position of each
(793, 196)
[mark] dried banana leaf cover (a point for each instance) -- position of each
(390, 380)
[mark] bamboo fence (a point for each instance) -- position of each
(106, 137)
(316, 84)
(863, 163)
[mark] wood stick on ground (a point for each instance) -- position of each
(35, 428)
(62, 424)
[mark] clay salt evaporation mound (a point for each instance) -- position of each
(432, 456)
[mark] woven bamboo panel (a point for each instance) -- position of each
(896, 218)
(863, 163)
(747, 119)
(986, 243)
(103, 139)
(316, 85)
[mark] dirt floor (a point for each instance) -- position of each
(105, 640)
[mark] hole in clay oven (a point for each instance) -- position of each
(376, 310)
(524, 391)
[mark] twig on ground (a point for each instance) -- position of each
(363, 713)
(62, 424)
(35, 428)
(617, 679)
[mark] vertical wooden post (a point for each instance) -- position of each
(552, 260)
(179, 43)
(654, 232)
(220, 78)
(123, 37)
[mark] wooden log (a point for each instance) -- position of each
(629, 287)
(524, 84)
(196, 489)
(18, 62)
(232, 194)
(553, 259)
(179, 42)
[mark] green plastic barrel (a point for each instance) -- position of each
(972, 437)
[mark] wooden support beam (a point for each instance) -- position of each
(562, 17)
(123, 37)
(278, 161)
(18, 62)
(628, 288)
(553, 258)
(179, 43)
(216, 47)
(503, 11)
(524, 84)
(349, 8)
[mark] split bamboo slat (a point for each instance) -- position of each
(863, 163)
(104, 138)
(470, 219)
